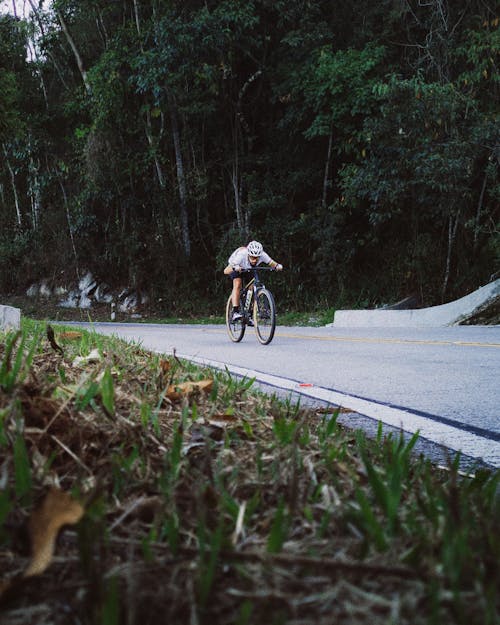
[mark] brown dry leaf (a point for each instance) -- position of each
(165, 366)
(177, 391)
(70, 335)
(222, 420)
(57, 509)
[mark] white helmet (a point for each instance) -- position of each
(254, 248)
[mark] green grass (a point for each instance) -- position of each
(229, 506)
(314, 318)
(284, 317)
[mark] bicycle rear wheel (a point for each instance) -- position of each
(235, 329)
(264, 316)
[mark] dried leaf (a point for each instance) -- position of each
(70, 335)
(177, 391)
(223, 420)
(165, 366)
(57, 509)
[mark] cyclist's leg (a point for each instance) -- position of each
(235, 295)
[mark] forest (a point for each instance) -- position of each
(144, 140)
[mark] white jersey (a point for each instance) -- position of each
(240, 257)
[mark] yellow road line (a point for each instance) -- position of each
(355, 339)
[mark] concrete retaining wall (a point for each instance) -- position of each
(435, 316)
(10, 318)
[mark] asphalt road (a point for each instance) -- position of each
(443, 382)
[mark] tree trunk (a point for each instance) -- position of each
(478, 212)
(240, 127)
(153, 144)
(327, 169)
(101, 27)
(452, 233)
(14, 188)
(70, 225)
(48, 52)
(35, 193)
(76, 53)
(42, 81)
(241, 217)
(136, 17)
(181, 180)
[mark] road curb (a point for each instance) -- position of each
(10, 318)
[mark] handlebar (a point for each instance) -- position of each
(258, 269)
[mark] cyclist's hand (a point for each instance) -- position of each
(279, 267)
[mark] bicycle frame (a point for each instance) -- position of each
(250, 289)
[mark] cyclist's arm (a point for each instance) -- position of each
(274, 265)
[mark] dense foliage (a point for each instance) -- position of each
(145, 139)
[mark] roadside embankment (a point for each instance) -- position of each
(10, 318)
(435, 316)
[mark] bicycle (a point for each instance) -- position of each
(257, 306)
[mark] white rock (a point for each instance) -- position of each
(85, 301)
(10, 318)
(102, 294)
(45, 290)
(94, 356)
(71, 301)
(129, 303)
(87, 283)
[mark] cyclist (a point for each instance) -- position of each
(240, 261)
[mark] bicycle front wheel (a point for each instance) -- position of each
(235, 329)
(264, 316)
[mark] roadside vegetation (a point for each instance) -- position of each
(135, 485)
(49, 309)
